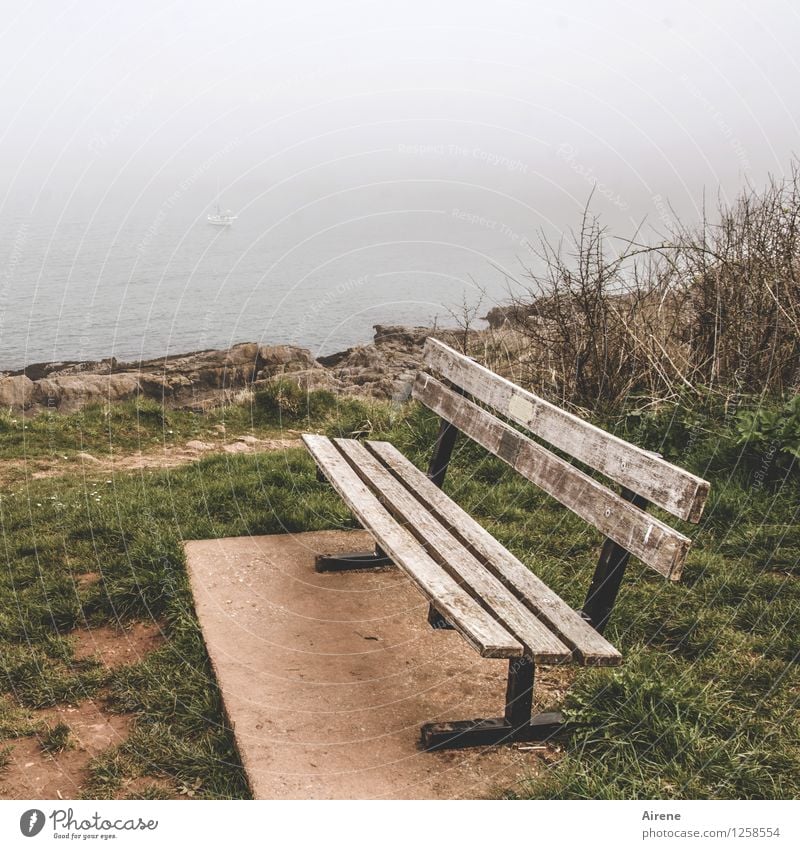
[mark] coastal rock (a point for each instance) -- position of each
(278, 359)
(16, 392)
(398, 336)
(204, 379)
(68, 393)
(384, 368)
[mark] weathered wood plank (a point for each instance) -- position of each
(676, 490)
(649, 539)
(477, 627)
(539, 641)
(590, 648)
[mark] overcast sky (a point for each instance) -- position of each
(114, 108)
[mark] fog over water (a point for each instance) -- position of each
(386, 163)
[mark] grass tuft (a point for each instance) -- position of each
(56, 739)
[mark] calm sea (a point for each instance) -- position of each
(167, 282)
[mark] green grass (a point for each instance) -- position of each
(131, 426)
(706, 705)
(56, 738)
(99, 429)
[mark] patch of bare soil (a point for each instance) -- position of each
(33, 773)
(86, 579)
(113, 647)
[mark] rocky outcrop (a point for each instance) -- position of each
(384, 369)
(16, 391)
(68, 393)
(508, 316)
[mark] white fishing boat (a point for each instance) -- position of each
(221, 219)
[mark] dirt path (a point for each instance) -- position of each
(17, 470)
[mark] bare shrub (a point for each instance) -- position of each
(740, 279)
(711, 309)
(595, 323)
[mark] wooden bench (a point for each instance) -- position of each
(473, 583)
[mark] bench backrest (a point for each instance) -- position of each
(644, 476)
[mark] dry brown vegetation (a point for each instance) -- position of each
(711, 308)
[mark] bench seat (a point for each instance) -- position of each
(498, 605)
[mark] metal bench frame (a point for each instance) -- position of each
(644, 477)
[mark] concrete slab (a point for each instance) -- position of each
(326, 678)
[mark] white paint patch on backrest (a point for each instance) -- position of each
(520, 408)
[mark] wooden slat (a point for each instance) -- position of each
(539, 641)
(676, 490)
(590, 648)
(477, 627)
(646, 537)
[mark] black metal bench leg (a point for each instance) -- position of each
(519, 691)
(352, 561)
(437, 621)
(517, 725)
(443, 449)
(608, 575)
